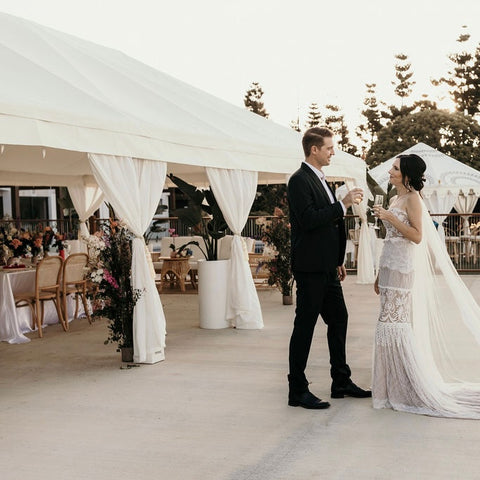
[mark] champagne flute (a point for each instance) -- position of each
(351, 185)
(377, 202)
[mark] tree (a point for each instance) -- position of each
(268, 197)
(464, 79)
(374, 117)
(314, 116)
(403, 85)
(335, 121)
(295, 125)
(454, 134)
(253, 100)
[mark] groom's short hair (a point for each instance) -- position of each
(314, 136)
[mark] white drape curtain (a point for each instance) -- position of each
(365, 261)
(86, 199)
(440, 203)
(466, 204)
(235, 192)
(134, 187)
(366, 265)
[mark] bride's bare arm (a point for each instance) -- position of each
(413, 207)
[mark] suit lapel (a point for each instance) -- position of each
(317, 182)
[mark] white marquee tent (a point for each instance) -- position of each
(76, 114)
(449, 183)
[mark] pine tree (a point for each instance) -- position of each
(253, 100)
(295, 125)
(368, 131)
(335, 121)
(403, 85)
(464, 79)
(314, 116)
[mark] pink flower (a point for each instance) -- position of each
(108, 277)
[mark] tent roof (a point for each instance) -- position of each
(344, 165)
(443, 172)
(62, 97)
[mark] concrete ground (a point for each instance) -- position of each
(216, 408)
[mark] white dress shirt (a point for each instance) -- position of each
(321, 177)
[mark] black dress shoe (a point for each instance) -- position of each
(350, 390)
(306, 400)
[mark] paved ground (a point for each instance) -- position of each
(214, 409)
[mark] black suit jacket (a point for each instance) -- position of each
(317, 226)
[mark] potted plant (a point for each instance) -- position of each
(204, 217)
(276, 235)
(114, 298)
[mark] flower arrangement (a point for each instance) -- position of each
(16, 243)
(61, 244)
(110, 255)
(276, 235)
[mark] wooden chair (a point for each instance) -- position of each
(47, 287)
(453, 245)
(74, 282)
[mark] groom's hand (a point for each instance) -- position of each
(342, 272)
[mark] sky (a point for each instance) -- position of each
(299, 51)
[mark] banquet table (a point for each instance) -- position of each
(15, 322)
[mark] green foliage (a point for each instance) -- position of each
(314, 116)
(454, 134)
(253, 100)
(335, 121)
(276, 234)
(110, 253)
(268, 197)
(374, 117)
(295, 125)
(403, 85)
(201, 203)
(464, 78)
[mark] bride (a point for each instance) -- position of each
(427, 339)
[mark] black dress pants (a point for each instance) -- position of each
(318, 293)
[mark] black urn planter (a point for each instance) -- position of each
(127, 354)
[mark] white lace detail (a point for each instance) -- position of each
(405, 376)
(390, 333)
(397, 253)
(395, 305)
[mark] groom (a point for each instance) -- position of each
(318, 249)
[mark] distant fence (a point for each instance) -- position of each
(463, 244)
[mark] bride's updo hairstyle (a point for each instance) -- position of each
(412, 168)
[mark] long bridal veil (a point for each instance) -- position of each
(446, 322)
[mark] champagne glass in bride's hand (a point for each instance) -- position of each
(377, 202)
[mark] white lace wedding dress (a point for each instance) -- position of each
(406, 372)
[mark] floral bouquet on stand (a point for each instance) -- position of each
(110, 254)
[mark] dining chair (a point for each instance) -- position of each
(74, 282)
(47, 287)
(453, 244)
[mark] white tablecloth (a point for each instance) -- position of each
(14, 322)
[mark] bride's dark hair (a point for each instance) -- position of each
(412, 168)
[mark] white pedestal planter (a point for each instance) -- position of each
(212, 293)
